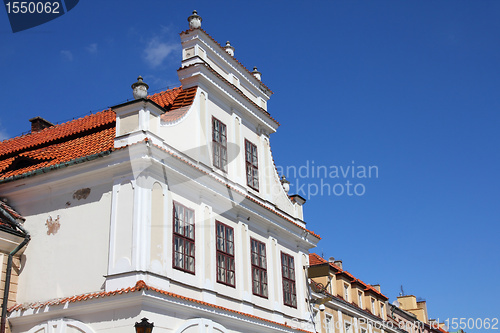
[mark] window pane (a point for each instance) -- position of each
(190, 264)
(230, 277)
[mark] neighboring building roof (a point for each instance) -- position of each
(140, 285)
(320, 288)
(315, 259)
(76, 139)
(7, 214)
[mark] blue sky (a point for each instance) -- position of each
(410, 87)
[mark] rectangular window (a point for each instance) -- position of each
(183, 241)
(347, 327)
(225, 254)
(382, 315)
(346, 292)
(373, 306)
(252, 165)
(288, 274)
(259, 268)
(219, 144)
(360, 299)
(329, 323)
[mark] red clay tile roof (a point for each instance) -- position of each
(318, 286)
(315, 259)
(140, 285)
(174, 98)
(87, 136)
(54, 133)
(57, 144)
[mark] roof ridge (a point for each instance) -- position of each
(54, 126)
(39, 139)
(165, 91)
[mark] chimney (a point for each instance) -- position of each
(257, 74)
(331, 259)
(229, 49)
(376, 286)
(338, 263)
(38, 124)
(194, 20)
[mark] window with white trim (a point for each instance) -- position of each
(346, 292)
(373, 305)
(288, 276)
(360, 299)
(382, 313)
(252, 165)
(183, 239)
(219, 144)
(328, 323)
(259, 268)
(225, 254)
(348, 327)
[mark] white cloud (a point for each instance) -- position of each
(92, 48)
(156, 51)
(67, 55)
(3, 134)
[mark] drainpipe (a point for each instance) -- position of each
(27, 238)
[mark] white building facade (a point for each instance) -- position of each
(167, 207)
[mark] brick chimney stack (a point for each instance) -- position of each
(38, 124)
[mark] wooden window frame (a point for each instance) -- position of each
(288, 280)
(219, 144)
(225, 251)
(252, 165)
(259, 268)
(178, 236)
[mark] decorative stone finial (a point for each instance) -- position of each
(194, 20)
(258, 75)
(140, 89)
(229, 49)
(285, 183)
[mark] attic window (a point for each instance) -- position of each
(23, 162)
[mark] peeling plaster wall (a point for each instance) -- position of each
(72, 258)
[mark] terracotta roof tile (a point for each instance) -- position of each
(315, 259)
(140, 285)
(4, 221)
(60, 152)
(92, 134)
(54, 133)
(174, 98)
(165, 98)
